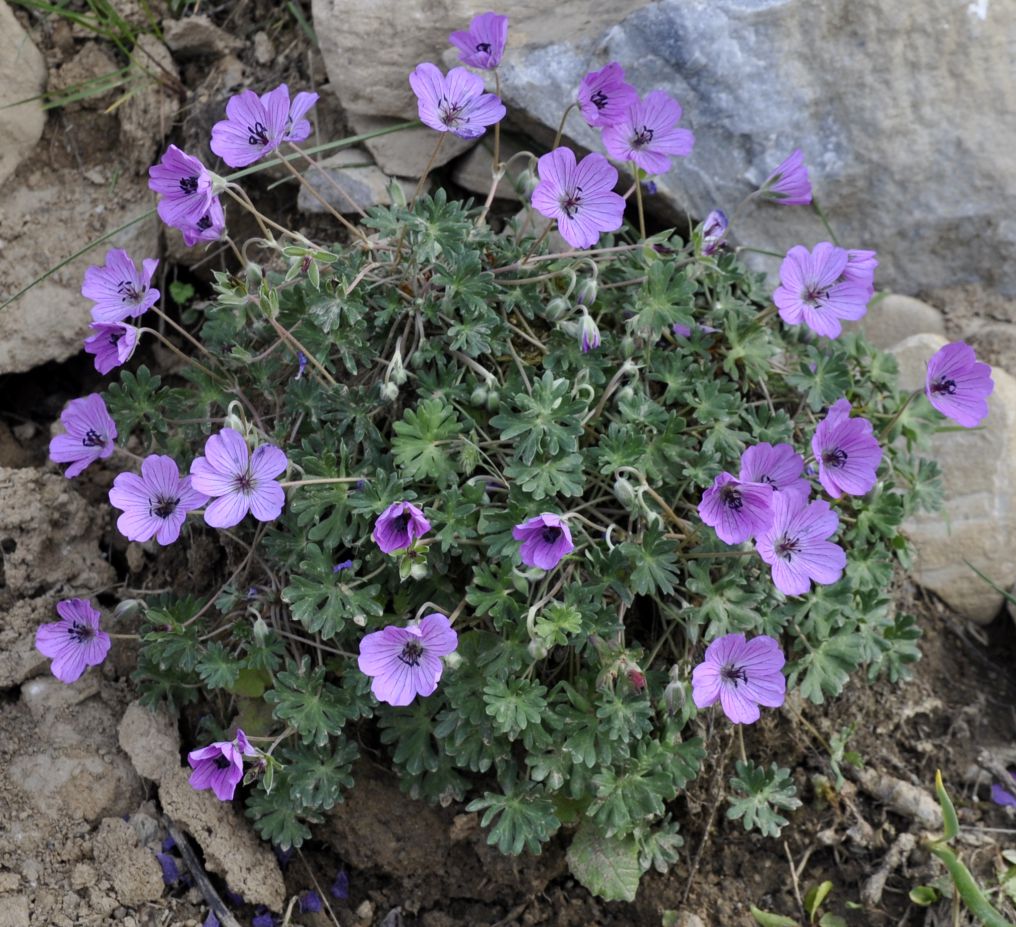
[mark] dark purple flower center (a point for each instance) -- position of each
(115, 336)
(550, 534)
(222, 762)
(205, 222)
(730, 496)
(92, 438)
(642, 137)
(814, 294)
(451, 113)
(598, 99)
(244, 482)
(942, 385)
(129, 293)
(411, 653)
(785, 548)
(483, 47)
(189, 185)
(571, 201)
(835, 457)
(258, 134)
(79, 632)
(162, 507)
(733, 673)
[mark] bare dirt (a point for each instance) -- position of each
(82, 807)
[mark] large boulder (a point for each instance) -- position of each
(896, 106)
(22, 79)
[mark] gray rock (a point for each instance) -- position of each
(150, 111)
(150, 739)
(346, 180)
(894, 317)
(197, 36)
(22, 76)
(978, 521)
(405, 153)
(473, 171)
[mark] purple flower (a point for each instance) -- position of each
(211, 920)
(156, 503)
(788, 185)
(112, 344)
(456, 103)
(648, 134)
(340, 887)
(310, 902)
(239, 481)
(778, 465)
(713, 231)
(737, 510)
(1004, 794)
(208, 227)
(89, 434)
(219, 767)
(118, 289)
(796, 545)
(589, 333)
(958, 385)
(263, 917)
(398, 526)
(255, 125)
(482, 45)
(345, 565)
(847, 452)
(75, 642)
(742, 675)
(813, 290)
(184, 185)
(301, 364)
(683, 331)
(406, 662)
(860, 270)
(170, 870)
(604, 97)
(546, 541)
(580, 196)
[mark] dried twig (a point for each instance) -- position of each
(206, 888)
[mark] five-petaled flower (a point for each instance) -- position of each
(118, 289)
(735, 509)
(779, 465)
(454, 103)
(73, 643)
(546, 540)
(604, 98)
(89, 434)
(398, 526)
(847, 452)
(742, 675)
(958, 385)
(207, 227)
(797, 546)
(255, 125)
(647, 134)
(580, 196)
(788, 185)
(406, 662)
(482, 44)
(156, 503)
(814, 290)
(239, 481)
(184, 185)
(112, 344)
(219, 766)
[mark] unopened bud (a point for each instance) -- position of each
(260, 629)
(389, 392)
(624, 492)
(589, 333)
(396, 372)
(452, 660)
(537, 649)
(585, 293)
(493, 400)
(557, 309)
(526, 182)
(128, 608)
(478, 396)
(419, 571)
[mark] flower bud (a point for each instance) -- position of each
(260, 629)
(526, 182)
(419, 571)
(452, 660)
(493, 400)
(557, 309)
(128, 608)
(396, 372)
(624, 492)
(625, 394)
(585, 293)
(478, 396)
(537, 649)
(674, 694)
(627, 346)
(713, 230)
(589, 333)
(389, 391)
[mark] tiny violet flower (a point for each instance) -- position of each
(684, 331)
(156, 503)
(301, 365)
(340, 887)
(813, 290)
(170, 870)
(742, 675)
(239, 481)
(345, 565)
(406, 662)
(262, 918)
(118, 289)
(604, 98)
(454, 103)
(847, 452)
(788, 185)
(1005, 794)
(89, 434)
(211, 920)
(112, 344)
(580, 196)
(73, 643)
(310, 902)
(546, 541)
(957, 385)
(778, 465)
(256, 125)
(589, 333)
(647, 134)
(219, 766)
(797, 546)
(735, 509)
(184, 185)
(208, 227)
(482, 44)
(398, 526)
(713, 231)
